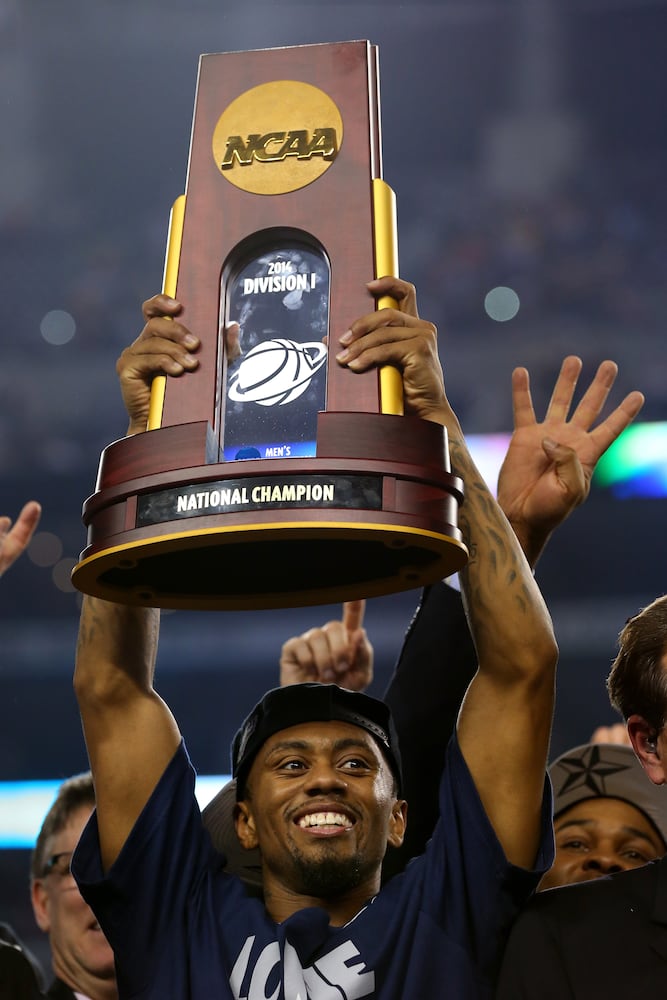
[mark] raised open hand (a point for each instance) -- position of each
(549, 464)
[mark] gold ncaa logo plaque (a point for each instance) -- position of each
(277, 137)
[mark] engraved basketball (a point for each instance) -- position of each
(276, 372)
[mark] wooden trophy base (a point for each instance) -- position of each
(347, 524)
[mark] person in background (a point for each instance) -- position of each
(607, 938)
(607, 817)
(20, 974)
(15, 539)
(614, 733)
(82, 959)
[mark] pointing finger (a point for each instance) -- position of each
(353, 615)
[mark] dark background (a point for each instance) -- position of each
(525, 140)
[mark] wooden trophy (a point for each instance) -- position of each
(271, 476)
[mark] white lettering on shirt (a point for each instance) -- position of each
(334, 976)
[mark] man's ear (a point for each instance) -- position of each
(397, 823)
(244, 821)
(40, 905)
(645, 744)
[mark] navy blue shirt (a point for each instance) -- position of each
(182, 928)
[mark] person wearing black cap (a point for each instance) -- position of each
(320, 780)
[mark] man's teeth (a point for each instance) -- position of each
(325, 819)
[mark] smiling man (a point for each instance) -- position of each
(328, 795)
(319, 780)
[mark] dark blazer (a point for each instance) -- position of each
(60, 991)
(604, 939)
(20, 974)
(17, 976)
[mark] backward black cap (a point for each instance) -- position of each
(297, 703)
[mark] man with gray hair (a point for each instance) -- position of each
(81, 956)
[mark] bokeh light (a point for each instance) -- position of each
(57, 327)
(62, 573)
(45, 549)
(501, 303)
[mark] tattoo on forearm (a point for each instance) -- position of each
(503, 565)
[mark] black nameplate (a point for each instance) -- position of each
(260, 493)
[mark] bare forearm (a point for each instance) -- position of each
(130, 732)
(505, 719)
(502, 602)
(502, 599)
(117, 647)
(532, 542)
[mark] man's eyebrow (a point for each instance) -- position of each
(350, 743)
(287, 745)
(572, 822)
(345, 743)
(632, 830)
(638, 833)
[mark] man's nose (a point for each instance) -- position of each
(605, 862)
(323, 775)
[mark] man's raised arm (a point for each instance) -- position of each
(130, 732)
(505, 721)
(545, 476)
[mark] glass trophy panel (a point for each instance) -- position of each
(276, 378)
